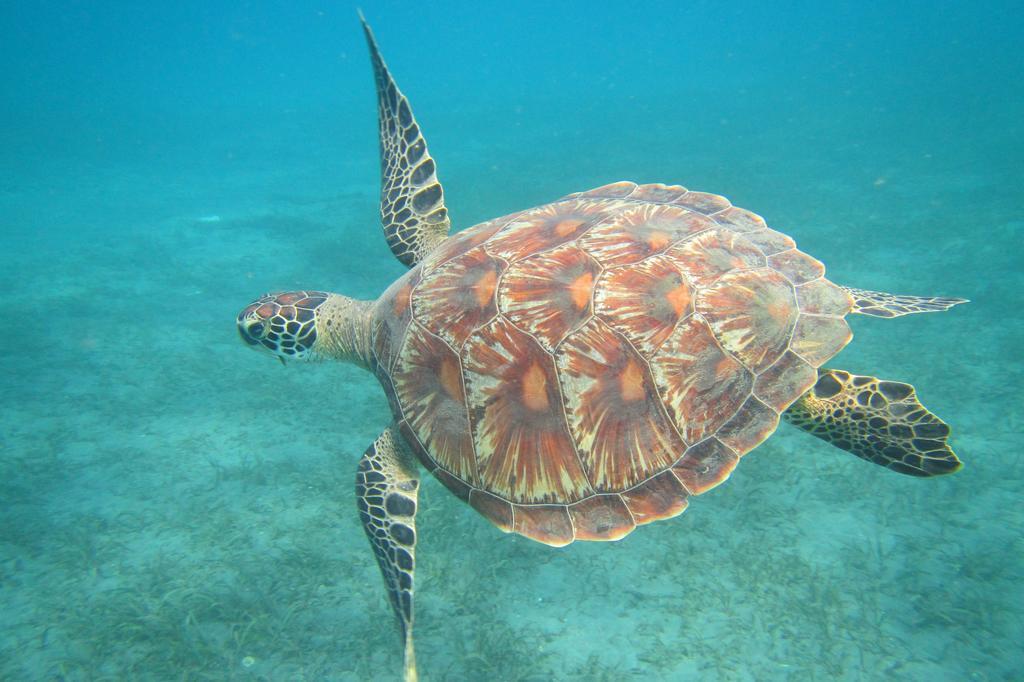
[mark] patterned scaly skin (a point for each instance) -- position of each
(881, 304)
(412, 209)
(880, 421)
(386, 490)
(308, 325)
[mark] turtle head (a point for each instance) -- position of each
(284, 324)
(307, 325)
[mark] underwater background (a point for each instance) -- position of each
(174, 506)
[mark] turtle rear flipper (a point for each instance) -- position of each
(881, 304)
(880, 421)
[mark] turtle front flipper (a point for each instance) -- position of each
(412, 209)
(386, 487)
(880, 421)
(881, 304)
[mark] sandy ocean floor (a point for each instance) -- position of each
(175, 506)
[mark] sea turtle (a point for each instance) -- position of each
(577, 369)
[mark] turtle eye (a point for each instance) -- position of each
(256, 330)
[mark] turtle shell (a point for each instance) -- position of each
(583, 367)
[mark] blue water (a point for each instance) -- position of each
(173, 506)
